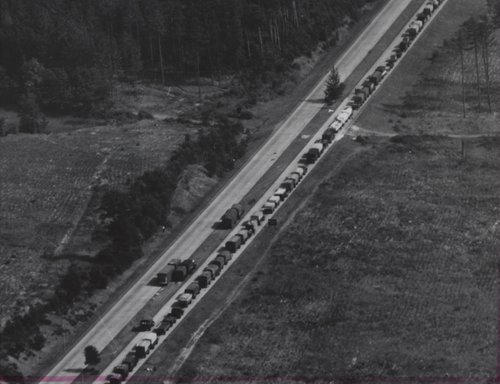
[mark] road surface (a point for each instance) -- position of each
(122, 312)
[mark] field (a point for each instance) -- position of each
(47, 183)
(389, 270)
(384, 271)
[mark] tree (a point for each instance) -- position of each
(31, 120)
(91, 355)
(487, 39)
(472, 35)
(334, 87)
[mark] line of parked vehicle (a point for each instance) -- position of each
(362, 93)
(177, 270)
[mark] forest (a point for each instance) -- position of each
(61, 55)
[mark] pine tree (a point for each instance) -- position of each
(334, 87)
(91, 355)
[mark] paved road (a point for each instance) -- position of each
(118, 316)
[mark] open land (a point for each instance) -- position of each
(385, 265)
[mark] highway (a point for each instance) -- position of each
(122, 312)
(290, 168)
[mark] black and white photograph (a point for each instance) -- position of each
(249, 191)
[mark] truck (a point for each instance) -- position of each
(357, 100)
(219, 263)
(213, 270)
(122, 369)
(419, 24)
(319, 146)
(343, 117)
(288, 185)
(404, 44)
(301, 171)
(382, 69)
(146, 324)
(185, 299)
(412, 32)
(204, 279)
(193, 289)
(259, 216)
(165, 275)
(169, 320)
(303, 167)
(244, 234)
(131, 360)
(142, 349)
(428, 9)
(177, 311)
(364, 92)
(368, 90)
(180, 273)
(240, 210)
(232, 216)
(268, 208)
(249, 225)
(114, 378)
(233, 244)
(282, 193)
(221, 260)
(255, 224)
(328, 135)
(294, 179)
(390, 62)
(347, 111)
(376, 77)
(226, 255)
(312, 155)
(229, 219)
(275, 199)
(161, 329)
(151, 337)
(190, 264)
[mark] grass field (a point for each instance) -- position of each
(47, 184)
(388, 270)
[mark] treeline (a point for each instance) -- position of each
(72, 48)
